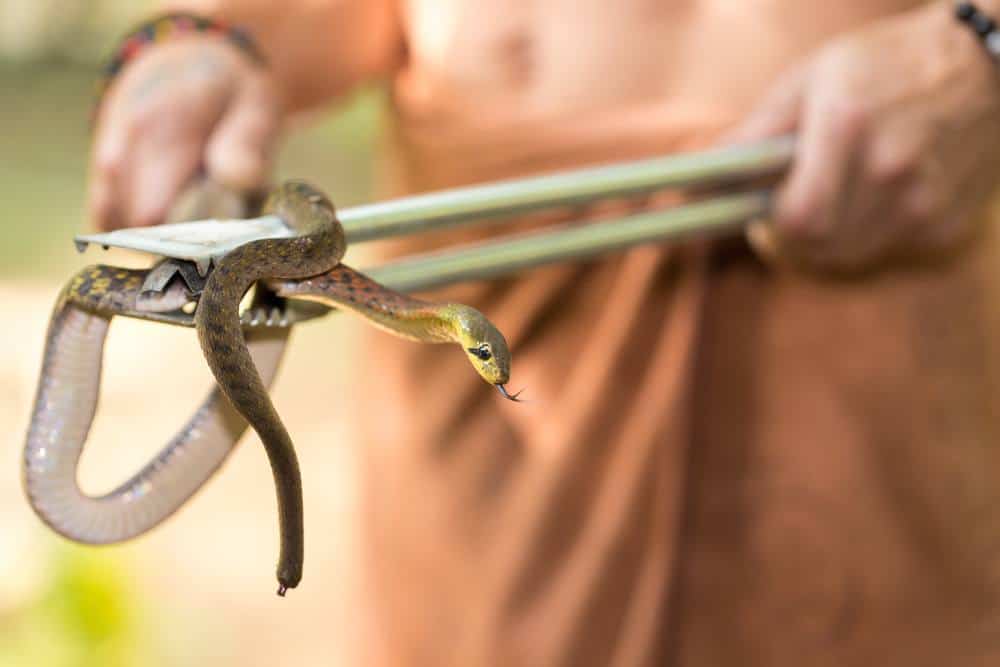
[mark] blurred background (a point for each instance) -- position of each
(200, 587)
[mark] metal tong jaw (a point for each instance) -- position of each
(189, 251)
(200, 242)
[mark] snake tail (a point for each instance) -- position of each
(317, 247)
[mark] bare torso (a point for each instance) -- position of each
(477, 71)
(570, 55)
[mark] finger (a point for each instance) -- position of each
(102, 201)
(809, 203)
(238, 154)
(108, 158)
(863, 226)
(761, 237)
(778, 113)
(867, 218)
(166, 153)
(162, 169)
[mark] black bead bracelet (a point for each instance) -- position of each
(982, 24)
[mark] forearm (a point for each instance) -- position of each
(316, 50)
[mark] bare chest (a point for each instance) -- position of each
(573, 54)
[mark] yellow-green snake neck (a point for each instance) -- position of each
(399, 314)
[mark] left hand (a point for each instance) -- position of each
(898, 130)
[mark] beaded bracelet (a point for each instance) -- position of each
(168, 26)
(982, 24)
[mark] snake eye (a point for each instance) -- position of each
(481, 352)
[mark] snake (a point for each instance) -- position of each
(243, 351)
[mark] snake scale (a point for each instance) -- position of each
(303, 267)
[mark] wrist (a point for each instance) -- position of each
(983, 25)
(951, 49)
(168, 28)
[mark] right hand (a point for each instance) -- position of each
(180, 108)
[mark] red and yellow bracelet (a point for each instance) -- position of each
(169, 26)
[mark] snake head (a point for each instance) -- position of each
(483, 343)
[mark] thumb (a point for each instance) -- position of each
(239, 152)
(777, 114)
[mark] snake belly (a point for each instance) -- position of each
(317, 247)
(64, 408)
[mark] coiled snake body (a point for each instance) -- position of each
(305, 266)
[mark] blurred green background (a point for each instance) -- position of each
(165, 599)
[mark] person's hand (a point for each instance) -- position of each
(898, 144)
(182, 107)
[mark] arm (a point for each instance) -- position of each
(898, 126)
(316, 50)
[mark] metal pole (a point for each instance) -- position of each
(202, 241)
(412, 215)
(498, 258)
